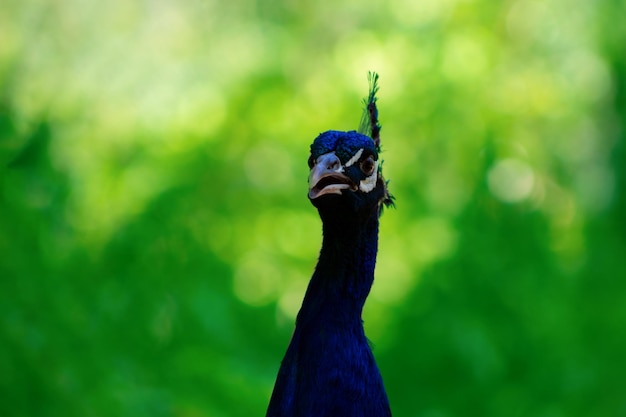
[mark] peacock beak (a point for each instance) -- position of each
(327, 177)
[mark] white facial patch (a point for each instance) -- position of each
(369, 183)
(354, 158)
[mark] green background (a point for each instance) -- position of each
(156, 238)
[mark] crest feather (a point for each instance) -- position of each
(369, 121)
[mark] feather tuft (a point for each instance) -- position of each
(369, 121)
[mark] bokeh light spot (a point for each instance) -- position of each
(511, 180)
(257, 279)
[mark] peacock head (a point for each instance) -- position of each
(345, 169)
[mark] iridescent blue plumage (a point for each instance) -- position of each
(329, 369)
(344, 144)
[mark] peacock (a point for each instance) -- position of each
(329, 369)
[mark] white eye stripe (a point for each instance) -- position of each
(355, 158)
(369, 183)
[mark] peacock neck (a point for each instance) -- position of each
(344, 273)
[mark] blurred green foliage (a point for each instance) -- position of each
(156, 239)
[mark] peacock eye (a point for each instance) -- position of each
(368, 165)
(311, 161)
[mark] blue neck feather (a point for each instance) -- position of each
(344, 273)
(329, 369)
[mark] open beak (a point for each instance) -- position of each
(327, 177)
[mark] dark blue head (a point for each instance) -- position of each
(344, 144)
(345, 167)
